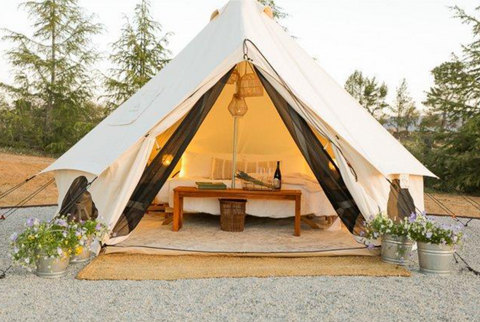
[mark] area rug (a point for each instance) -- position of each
(262, 237)
(157, 267)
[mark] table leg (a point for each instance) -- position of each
(176, 211)
(181, 212)
(298, 215)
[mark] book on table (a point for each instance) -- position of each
(211, 185)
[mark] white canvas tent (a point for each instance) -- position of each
(117, 151)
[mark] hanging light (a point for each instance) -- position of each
(238, 106)
(167, 159)
(250, 86)
(234, 77)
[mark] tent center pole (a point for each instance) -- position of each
(234, 159)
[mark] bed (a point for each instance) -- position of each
(197, 167)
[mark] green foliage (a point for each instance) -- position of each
(447, 140)
(381, 224)
(426, 230)
(457, 159)
(369, 93)
(53, 80)
(93, 229)
(472, 51)
(139, 54)
(405, 114)
(55, 239)
(450, 97)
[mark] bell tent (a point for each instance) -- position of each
(180, 123)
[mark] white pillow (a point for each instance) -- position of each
(222, 169)
(196, 165)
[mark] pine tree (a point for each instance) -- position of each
(139, 54)
(458, 158)
(472, 55)
(405, 114)
(52, 70)
(368, 93)
(450, 97)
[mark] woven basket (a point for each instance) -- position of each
(232, 214)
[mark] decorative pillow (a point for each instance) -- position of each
(222, 169)
(196, 165)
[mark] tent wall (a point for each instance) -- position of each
(261, 132)
(113, 187)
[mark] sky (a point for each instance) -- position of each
(388, 39)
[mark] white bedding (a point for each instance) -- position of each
(314, 200)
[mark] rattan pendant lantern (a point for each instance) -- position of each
(250, 85)
(237, 107)
(234, 77)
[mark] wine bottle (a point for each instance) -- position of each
(277, 177)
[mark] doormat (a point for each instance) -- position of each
(119, 266)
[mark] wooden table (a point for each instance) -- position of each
(180, 193)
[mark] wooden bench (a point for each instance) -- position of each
(180, 193)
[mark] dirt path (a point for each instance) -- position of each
(15, 168)
(458, 204)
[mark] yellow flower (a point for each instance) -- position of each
(31, 237)
(78, 250)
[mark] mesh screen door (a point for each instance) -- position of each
(157, 173)
(320, 162)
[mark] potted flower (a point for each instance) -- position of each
(47, 246)
(396, 244)
(436, 244)
(88, 232)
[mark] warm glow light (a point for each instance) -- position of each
(331, 166)
(167, 159)
(238, 106)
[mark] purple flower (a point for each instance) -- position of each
(370, 246)
(428, 234)
(362, 233)
(59, 251)
(14, 237)
(61, 222)
(30, 222)
(98, 227)
(412, 217)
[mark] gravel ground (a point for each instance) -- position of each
(25, 297)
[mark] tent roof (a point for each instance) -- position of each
(215, 50)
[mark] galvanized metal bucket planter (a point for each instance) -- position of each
(435, 258)
(85, 255)
(49, 267)
(395, 249)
